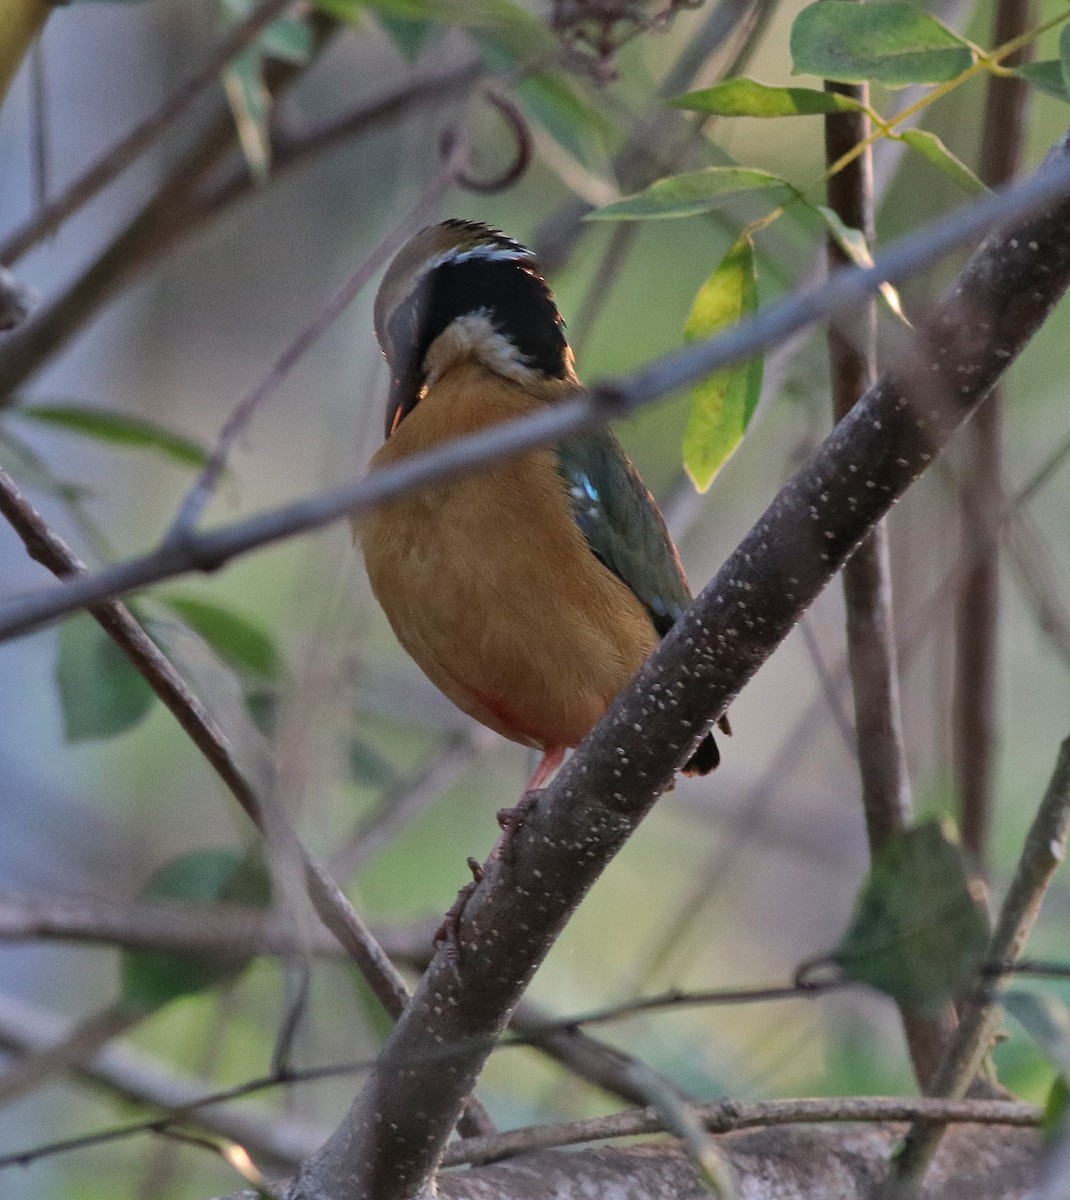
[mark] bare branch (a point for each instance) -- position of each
(389, 1144)
(867, 576)
(207, 551)
(47, 548)
(133, 1076)
(219, 929)
(1042, 854)
(126, 151)
(974, 716)
(730, 1116)
(198, 496)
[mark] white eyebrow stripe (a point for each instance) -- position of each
(510, 253)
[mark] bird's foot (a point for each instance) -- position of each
(511, 821)
(448, 933)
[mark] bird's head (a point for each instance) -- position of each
(463, 290)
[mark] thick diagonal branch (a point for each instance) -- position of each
(389, 1144)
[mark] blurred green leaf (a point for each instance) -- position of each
(262, 705)
(410, 37)
(151, 978)
(238, 641)
(22, 463)
(1064, 56)
(115, 428)
(100, 693)
(561, 108)
(288, 39)
(510, 26)
(690, 193)
(250, 102)
(745, 97)
(1046, 1020)
(889, 43)
(853, 244)
(723, 403)
(929, 145)
(1046, 76)
(368, 767)
(919, 934)
(1057, 1107)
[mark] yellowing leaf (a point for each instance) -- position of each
(854, 245)
(723, 403)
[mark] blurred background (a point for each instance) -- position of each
(735, 878)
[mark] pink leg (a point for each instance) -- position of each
(548, 764)
(511, 819)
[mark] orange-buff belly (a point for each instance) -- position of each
(490, 585)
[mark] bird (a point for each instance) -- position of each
(529, 592)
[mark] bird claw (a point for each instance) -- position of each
(511, 821)
(448, 933)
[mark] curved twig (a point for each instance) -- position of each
(521, 158)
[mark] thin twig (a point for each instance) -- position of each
(867, 576)
(47, 548)
(727, 1116)
(578, 823)
(212, 929)
(210, 550)
(135, 1077)
(1043, 852)
(201, 492)
(682, 1117)
(114, 161)
(401, 804)
(975, 720)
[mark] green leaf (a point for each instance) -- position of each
(889, 43)
(1047, 1021)
(250, 103)
(852, 242)
(151, 978)
(239, 642)
(410, 37)
(561, 108)
(1056, 1107)
(115, 428)
(511, 27)
(942, 158)
(368, 767)
(288, 39)
(100, 693)
(745, 97)
(1047, 77)
(1064, 56)
(919, 933)
(723, 403)
(690, 193)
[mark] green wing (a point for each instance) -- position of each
(622, 524)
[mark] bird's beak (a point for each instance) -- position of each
(404, 393)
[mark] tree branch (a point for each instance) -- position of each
(47, 548)
(974, 716)
(208, 551)
(389, 1144)
(867, 576)
(1042, 854)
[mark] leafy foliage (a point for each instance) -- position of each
(919, 931)
(152, 978)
